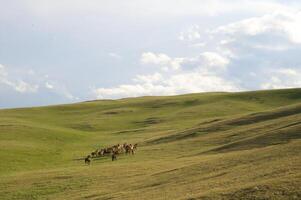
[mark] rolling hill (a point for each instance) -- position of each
(242, 145)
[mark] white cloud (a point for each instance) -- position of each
(287, 72)
(281, 23)
(248, 47)
(272, 47)
(190, 82)
(18, 85)
(21, 86)
(282, 78)
(114, 55)
(63, 91)
(162, 60)
(212, 61)
(206, 61)
(192, 33)
(200, 44)
(48, 85)
(24, 87)
(153, 78)
(58, 88)
(193, 74)
(68, 95)
(3, 73)
(152, 58)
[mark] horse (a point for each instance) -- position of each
(101, 152)
(87, 160)
(114, 156)
(129, 149)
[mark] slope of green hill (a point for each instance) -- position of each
(198, 146)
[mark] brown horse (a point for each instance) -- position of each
(88, 160)
(101, 152)
(94, 153)
(129, 149)
(114, 156)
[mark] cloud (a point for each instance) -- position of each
(201, 73)
(197, 45)
(58, 88)
(152, 78)
(251, 51)
(3, 73)
(282, 78)
(152, 58)
(18, 85)
(210, 62)
(23, 87)
(251, 46)
(213, 59)
(162, 60)
(267, 40)
(192, 33)
(114, 55)
(48, 85)
(63, 91)
(206, 61)
(282, 24)
(36, 83)
(190, 82)
(68, 95)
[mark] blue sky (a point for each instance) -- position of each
(54, 52)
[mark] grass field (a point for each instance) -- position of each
(198, 146)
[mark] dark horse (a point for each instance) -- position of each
(87, 160)
(114, 156)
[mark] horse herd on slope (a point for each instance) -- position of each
(112, 151)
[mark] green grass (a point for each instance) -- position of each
(198, 146)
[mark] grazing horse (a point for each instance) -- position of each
(94, 153)
(118, 148)
(101, 152)
(129, 149)
(114, 156)
(87, 160)
(108, 150)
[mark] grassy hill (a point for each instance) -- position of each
(198, 146)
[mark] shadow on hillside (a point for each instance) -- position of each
(256, 137)
(274, 137)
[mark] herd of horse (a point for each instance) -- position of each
(112, 151)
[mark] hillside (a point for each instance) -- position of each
(199, 146)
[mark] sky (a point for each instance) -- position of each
(65, 51)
